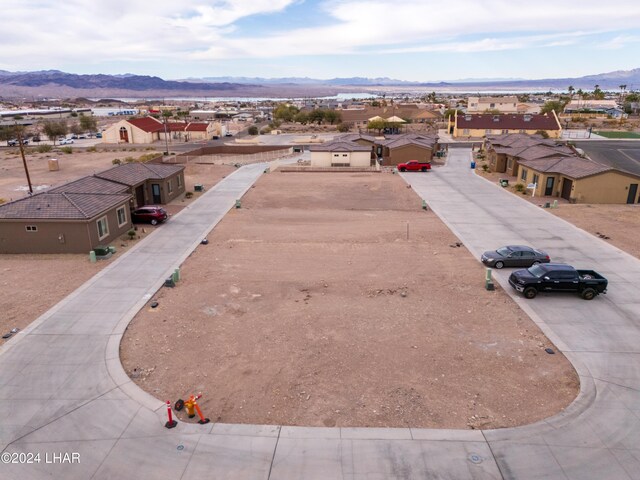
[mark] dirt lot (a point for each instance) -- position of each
(31, 284)
(620, 223)
(13, 182)
(310, 306)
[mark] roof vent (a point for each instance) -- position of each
(496, 118)
(527, 118)
(467, 118)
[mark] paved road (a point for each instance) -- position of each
(623, 154)
(62, 387)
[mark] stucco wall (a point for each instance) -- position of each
(406, 153)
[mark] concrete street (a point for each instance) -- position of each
(63, 389)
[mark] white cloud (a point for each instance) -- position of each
(34, 33)
(619, 41)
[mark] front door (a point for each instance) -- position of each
(140, 196)
(549, 187)
(155, 193)
(124, 135)
(566, 188)
(633, 191)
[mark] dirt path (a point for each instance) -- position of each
(310, 306)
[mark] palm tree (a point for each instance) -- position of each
(571, 90)
(622, 89)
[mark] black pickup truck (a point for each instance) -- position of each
(558, 277)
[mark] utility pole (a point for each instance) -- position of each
(24, 160)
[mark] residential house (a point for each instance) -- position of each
(481, 125)
(501, 104)
(402, 148)
(341, 154)
(61, 222)
(503, 150)
(146, 130)
(594, 108)
(148, 183)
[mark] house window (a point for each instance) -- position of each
(465, 131)
(344, 154)
(179, 181)
(523, 175)
(522, 131)
(103, 228)
(169, 186)
(504, 130)
(492, 105)
(122, 216)
(31, 228)
(487, 131)
(535, 178)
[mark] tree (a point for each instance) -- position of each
(75, 129)
(317, 116)
(553, 105)
(88, 123)
(542, 133)
(54, 129)
(332, 116)
(622, 89)
(285, 112)
(571, 90)
(342, 127)
(597, 93)
(253, 130)
(301, 117)
(378, 125)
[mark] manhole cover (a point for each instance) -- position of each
(475, 458)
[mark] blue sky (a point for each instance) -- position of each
(419, 40)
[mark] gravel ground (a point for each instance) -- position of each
(334, 300)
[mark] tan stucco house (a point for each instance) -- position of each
(403, 148)
(481, 125)
(341, 154)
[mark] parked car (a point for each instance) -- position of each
(228, 134)
(215, 137)
(66, 141)
(514, 256)
(149, 214)
(414, 166)
(99, 135)
(558, 277)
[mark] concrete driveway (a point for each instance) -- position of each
(63, 389)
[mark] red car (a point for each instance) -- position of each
(414, 166)
(149, 214)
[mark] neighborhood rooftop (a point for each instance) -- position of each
(133, 173)
(71, 206)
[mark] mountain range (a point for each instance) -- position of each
(48, 83)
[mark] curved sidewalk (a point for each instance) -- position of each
(63, 390)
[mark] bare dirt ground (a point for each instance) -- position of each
(619, 225)
(79, 163)
(310, 306)
(31, 284)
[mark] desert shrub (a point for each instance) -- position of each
(485, 168)
(2, 200)
(130, 160)
(265, 130)
(131, 233)
(149, 148)
(67, 150)
(116, 161)
(188, 194)
(92, 149)
(342, 127)
(44, 148)
(253, 130)
(146, 157)
(519, 187)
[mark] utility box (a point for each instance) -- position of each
(198, 187)
(54, 165)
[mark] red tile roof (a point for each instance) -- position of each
(148, 124)
(197, 127)
(507, 122)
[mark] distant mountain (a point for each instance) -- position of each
(57, 84)
(611, 80)
(121, 82)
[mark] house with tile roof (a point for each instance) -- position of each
(146, 130)
(149, 183)
(557, 171)
(341, 153)
(80, 215)
(397, 149)
(481, 125)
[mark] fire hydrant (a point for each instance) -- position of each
(192, 408)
